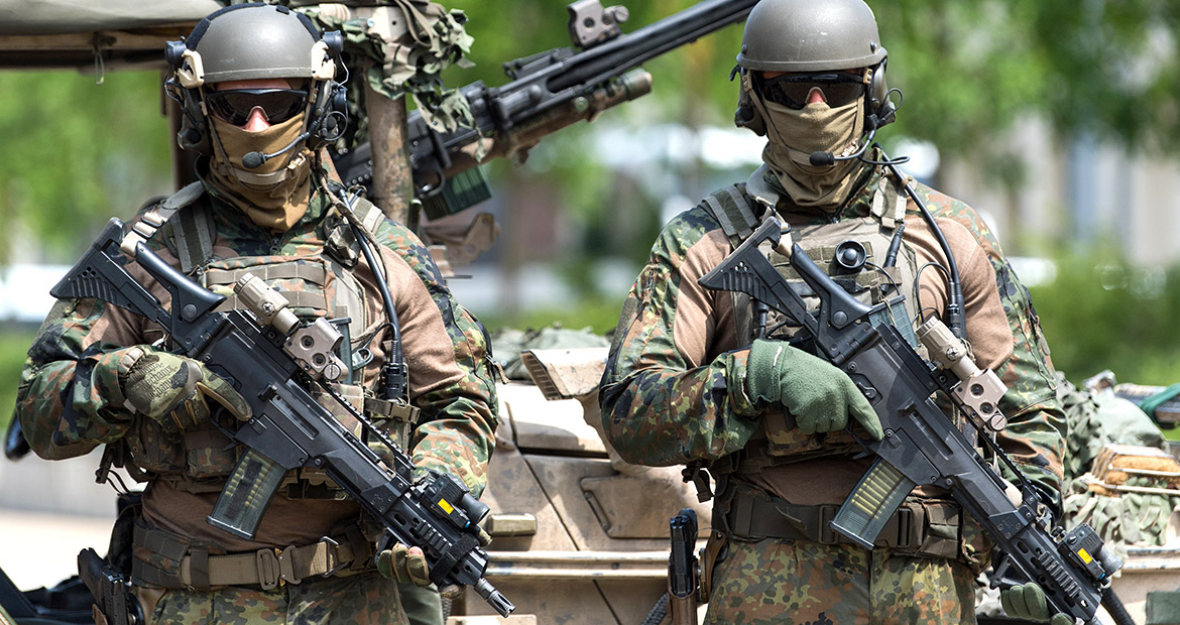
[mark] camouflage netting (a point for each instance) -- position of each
(405, 57)
(1098, 419)
(1095, 420)
(507, 343)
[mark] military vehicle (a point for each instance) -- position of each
(580, 536)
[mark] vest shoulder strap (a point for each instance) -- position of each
(191, 230)
(732, 208)
(340, 244)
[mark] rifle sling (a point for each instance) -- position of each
(176, 563)
(928, 530)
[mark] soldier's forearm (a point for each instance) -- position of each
(663, 418)
(64, 417)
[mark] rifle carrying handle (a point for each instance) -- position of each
(247, 494)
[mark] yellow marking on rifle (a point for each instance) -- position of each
(876, 489)
(442, 503)
(1085, 556)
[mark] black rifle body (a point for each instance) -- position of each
(545, 93)
(921, 445)
(289, 428)
(683, 570)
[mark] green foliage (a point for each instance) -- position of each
(601, 315)
(968, 69)
(13, 347)
(1100, 314)
(77, 153)
(505, 31)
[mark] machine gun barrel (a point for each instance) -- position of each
(549, 91)
(920, 445)
(259, 353)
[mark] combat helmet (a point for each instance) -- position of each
(256, 41)
(812, 36)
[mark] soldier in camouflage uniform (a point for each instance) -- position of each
(687, 383)
(258, 79)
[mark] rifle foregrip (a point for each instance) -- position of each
(871, 504)
(246, 495)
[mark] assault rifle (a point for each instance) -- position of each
(549, 91)
(921, 445)
(272, 360)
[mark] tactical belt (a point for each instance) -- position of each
(192, 567)
(929, 530)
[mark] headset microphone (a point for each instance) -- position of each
(825, 159)
(254, 160)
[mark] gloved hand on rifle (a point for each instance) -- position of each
(819, 396)
(406, 564)
(1027, 601)
(173, 390)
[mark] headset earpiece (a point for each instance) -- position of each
(881, 110)
(747, 115)
(878, 88)
(174, 53)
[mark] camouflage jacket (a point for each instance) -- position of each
(672, 390)
(70, 401)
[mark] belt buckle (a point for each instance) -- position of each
(827, 535)
(269, 572)
(333, 555)
(287, 566)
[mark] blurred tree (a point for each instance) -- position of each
(76, 153)
(967, 69)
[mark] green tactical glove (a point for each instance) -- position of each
(405, 564)
(817, 394)
(174, 390)
(1028, 602)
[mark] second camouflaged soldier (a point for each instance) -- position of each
(257, 86)
(687, 383)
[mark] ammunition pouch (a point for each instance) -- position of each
(167, 560)
(927, 529)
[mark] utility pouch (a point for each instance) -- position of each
(114, 604)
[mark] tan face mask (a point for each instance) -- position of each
(793, 136)
(275, 195)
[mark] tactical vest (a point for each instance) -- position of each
(737, 209)
(320, 284)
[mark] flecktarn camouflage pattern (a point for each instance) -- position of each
(659, 408)
(774, 582)
(71, 400)
(364, 598)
